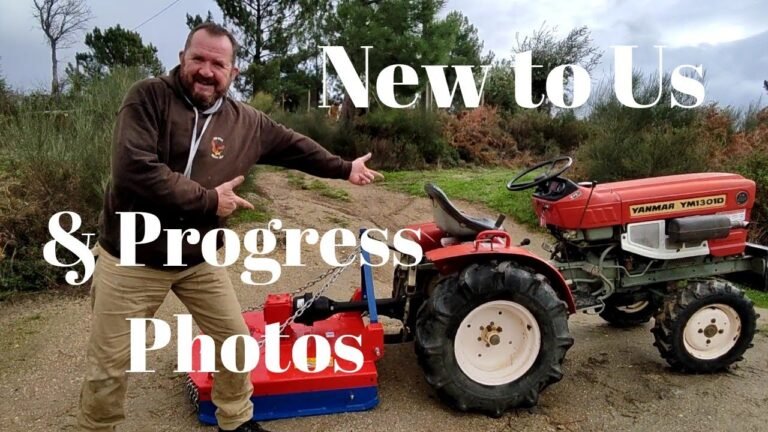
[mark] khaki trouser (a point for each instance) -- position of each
(118, 293)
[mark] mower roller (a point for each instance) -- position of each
(489, 318)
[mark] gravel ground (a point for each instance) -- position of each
(614, 378)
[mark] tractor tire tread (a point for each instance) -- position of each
(458, 294)
(672, 317)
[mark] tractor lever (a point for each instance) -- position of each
(525, 242)
(499, 221)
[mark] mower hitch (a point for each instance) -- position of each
(323, 308)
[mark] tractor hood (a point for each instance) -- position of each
(631, 201)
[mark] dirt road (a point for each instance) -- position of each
(614, 379)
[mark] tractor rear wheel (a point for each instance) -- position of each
(706, 327)
(621, 312)
(492, 337)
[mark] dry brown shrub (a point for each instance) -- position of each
(479, 138)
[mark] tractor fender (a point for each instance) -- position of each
(487, 246)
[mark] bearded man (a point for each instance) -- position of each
(180, 149)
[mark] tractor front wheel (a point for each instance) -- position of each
(492, 337)
(706, 327)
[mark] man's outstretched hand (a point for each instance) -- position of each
(228, 200)
(360, 174)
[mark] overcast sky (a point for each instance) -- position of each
(729, 38)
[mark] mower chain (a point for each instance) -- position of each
(334, 274)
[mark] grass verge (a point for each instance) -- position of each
(251, 192)
(300, 181)
(485, 186)
(760, 298)
(259, 214)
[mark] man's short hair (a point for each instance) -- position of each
(214, 29)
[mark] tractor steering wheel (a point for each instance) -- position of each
(550, 174)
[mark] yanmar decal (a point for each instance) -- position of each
(678, 206)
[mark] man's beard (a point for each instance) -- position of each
(202, 101)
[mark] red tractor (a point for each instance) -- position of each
(490, 319)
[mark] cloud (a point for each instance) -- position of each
(728, 38)
(734, 71)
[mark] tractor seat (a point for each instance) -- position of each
(453, 221)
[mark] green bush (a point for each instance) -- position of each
(546, 136)
(611, 156)
(315, 124)
(263, 102)
(397, 138)
(7, 100)
(499, 91)
(747, 154)
(407, 138)
(756, 168)
(626, 143)
(56, 160)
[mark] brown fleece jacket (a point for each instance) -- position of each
(150, 149)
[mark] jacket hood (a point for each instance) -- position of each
(172, 80)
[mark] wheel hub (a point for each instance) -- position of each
(490, 334)
(497, 342)
(712, 331)
(495, 339)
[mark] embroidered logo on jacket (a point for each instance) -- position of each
(217, 147)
